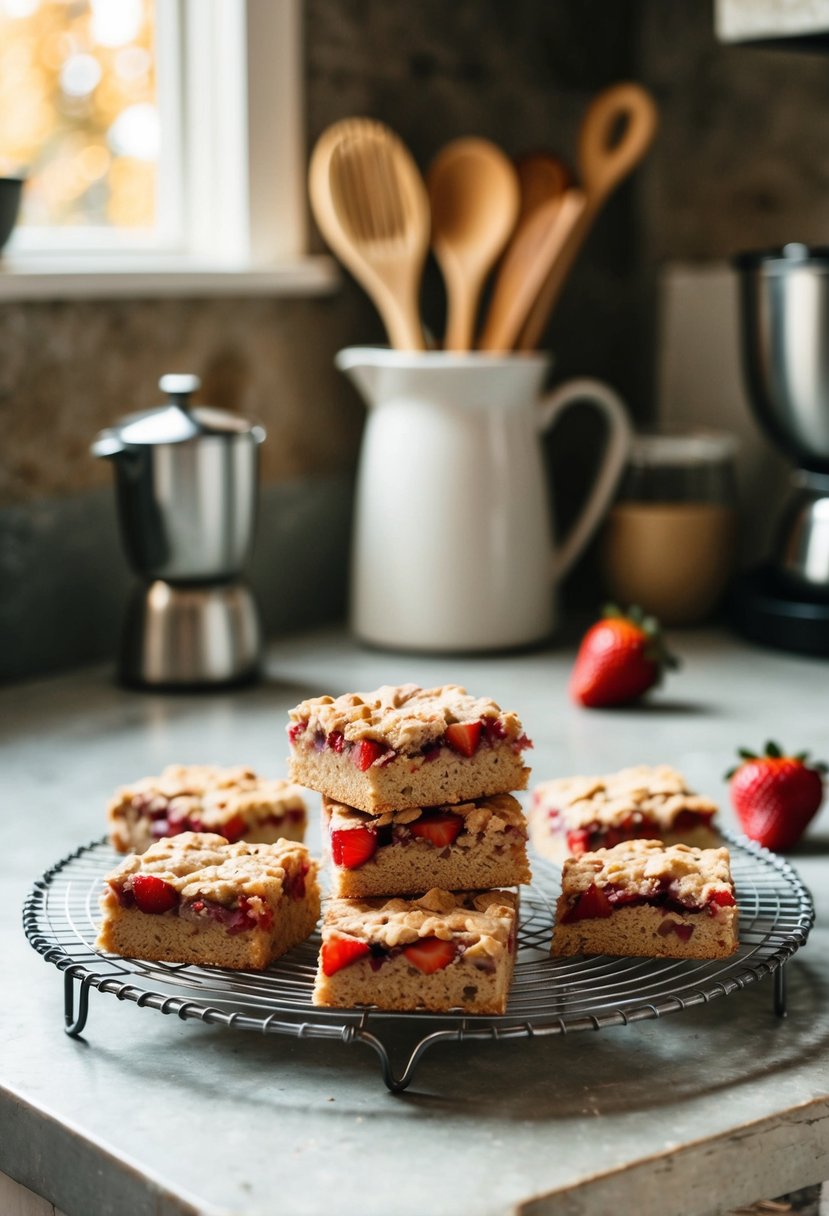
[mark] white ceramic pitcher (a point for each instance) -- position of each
(453, 536)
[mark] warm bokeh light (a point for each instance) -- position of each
(79, 111)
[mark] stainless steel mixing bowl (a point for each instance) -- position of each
(784, 298)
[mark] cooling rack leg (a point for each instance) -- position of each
(73, 1024)
(780, 991)
(398, 1082)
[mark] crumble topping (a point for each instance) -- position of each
(485, 920)
(204, 865)
(645, 867)
(406, 717)
(209, 791)
(485, 816)
(658, 792)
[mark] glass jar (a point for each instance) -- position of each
(669, 540)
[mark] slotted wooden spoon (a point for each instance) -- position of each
(474, 198)
(370, 203)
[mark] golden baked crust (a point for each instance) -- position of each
(209, 903)
(411, 781)
(492, 814)
(641, 898)
(489, 849)
(646, 867)
(485, 920)
(405, 717)
(210, 796)
(202, 864)
(475, 932)
(658, 792)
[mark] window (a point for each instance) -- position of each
(79, 116)
(157, 137)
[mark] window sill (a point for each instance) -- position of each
(73, 278)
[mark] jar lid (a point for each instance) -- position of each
(704, 447)
(178, 421)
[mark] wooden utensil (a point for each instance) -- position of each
(606, 155)
(371, 206)
(526, 265)
(474, 197)
(541, 177)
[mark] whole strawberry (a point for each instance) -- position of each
(775, 795)
(619, 659)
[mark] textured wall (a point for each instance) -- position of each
(742, 160)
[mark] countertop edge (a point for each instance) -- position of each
(78, 1173)
(738, 1179)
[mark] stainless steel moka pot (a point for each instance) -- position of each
(784, 315)
(186, 484)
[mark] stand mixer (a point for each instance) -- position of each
(186, 481)
(784, 307)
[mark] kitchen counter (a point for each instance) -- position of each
(685, 1116)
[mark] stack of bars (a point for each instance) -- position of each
(422, 835)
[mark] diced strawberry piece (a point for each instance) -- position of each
(430, 954)
(295, 731)
(463, 737)
(591, 904)
(338, 952)
(365, 753)
(438, 827)
(153, 894)
(683, 932)
(688, 821)
(494, 730)
(335, 740)
(722, 899)
(234, 829)
(578, 841)
(352, 847)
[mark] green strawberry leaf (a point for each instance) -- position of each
(774, 750)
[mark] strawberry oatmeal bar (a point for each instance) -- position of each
(646, 899)
(205, 798)
(463, 846)
(195, 898)
(402, 747)
(440, 952)
(576, 815)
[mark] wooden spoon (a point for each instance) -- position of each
(474, 196)
(524, 270)
(605, 158)
(541, 177)
(370, 203)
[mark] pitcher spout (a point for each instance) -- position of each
(362, 366)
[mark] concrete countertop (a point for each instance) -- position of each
(685, 1116)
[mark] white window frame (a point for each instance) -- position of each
(240, 212)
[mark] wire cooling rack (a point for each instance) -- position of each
(548, 996)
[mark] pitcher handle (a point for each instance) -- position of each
(610, 404)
